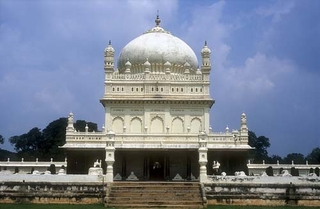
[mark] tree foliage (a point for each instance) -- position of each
(45, 144)
(261, 144)
(314, 156)
(80, 125)
(298, 158)
(29, 144)
(54, 135)
(1, 139)
(275, 159)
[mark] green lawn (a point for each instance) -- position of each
(256, 207)
(54, 206)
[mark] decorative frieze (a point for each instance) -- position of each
(116, 76)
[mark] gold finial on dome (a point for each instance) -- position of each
(157, 19)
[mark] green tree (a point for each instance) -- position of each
(1, 139)
(261, 144)
(54, 136)
(274, 159)
(80, 125)
(5, 154)
(29, 145)
(45, 145)
(314, 156)
(298, 158)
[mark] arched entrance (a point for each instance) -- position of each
(157, 167)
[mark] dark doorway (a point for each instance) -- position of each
(156, 167)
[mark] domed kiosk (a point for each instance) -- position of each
(157, 105)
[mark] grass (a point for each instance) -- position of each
(256, 207)
(57, 206)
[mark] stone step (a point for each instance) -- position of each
(181, 195)
(154, 200)
(143, 206)
(154, 190)
(160, 186)
(154, 194)
(159, 198)
(157, 182)
(158, 203)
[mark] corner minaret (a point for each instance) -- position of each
(206, 64)
(108, 59)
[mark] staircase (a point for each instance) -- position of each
(154, 195)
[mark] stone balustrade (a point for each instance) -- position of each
(8, 167)
(303, 169)
(168, 140)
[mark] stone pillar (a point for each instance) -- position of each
(110, 149)
(203, 159)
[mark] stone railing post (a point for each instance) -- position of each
(203, 159)
(110, 149)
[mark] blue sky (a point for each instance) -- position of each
(265, 55)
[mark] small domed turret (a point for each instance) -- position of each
(167, 66)
(147, 66)
(109, 56)
(186, 68)
(128, 67)
(205, 54)
(109, 50)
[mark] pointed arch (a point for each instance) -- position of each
(177, 125)
(157, 125)
(117, 125)
(136, 125)
(195, 125)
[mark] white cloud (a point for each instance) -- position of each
(277, 10)
(259, 74)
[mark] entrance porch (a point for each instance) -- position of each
(156, 165)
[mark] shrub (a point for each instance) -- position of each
(52, 169)
(16, 170)
(269, 171)
(294, 171)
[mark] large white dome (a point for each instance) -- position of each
(157, 46)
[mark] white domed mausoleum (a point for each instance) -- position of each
(157, 106)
